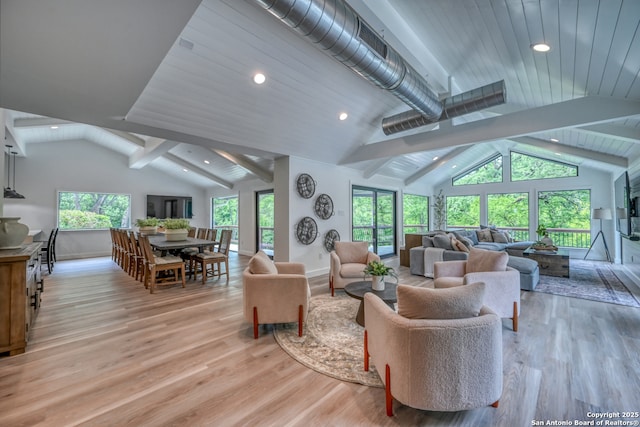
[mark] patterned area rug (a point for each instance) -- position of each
(332, 343)
(596, 282)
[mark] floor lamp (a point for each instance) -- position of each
(600, 213)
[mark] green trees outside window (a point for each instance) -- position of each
(463, 211)
(567, 216)
(93, 211)
(415, 213)
(225, 215)
(373, 219)
(489, 171)
(525, 168)
(510, 211)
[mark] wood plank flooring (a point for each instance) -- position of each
(105, 352)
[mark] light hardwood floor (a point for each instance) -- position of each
(105, 352)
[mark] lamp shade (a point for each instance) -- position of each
(621, 213)
(601, 213)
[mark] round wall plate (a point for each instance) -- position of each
(330, 237)
(323, 206)
(306, 230)
(306, 185)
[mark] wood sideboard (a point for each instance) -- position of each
(21, 286)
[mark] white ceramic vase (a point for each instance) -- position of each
(547, 241)
(149, 231)
(12, 233)
(377, 283)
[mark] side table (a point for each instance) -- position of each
(358, 289)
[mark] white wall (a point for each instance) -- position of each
(84, 166)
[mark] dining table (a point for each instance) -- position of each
(160, 243)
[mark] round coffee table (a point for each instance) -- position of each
(358, 289)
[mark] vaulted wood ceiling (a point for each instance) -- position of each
(169, 84)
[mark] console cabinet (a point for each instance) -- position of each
(21, 286)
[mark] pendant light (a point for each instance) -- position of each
(8, 192)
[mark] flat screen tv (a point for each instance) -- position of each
(624, 205)
(162, 206)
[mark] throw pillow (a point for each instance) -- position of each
(499, 236)
(352, 252)
(484, 235)
(467, 242)
(483, 260)
(442, 241)
(459, 245)
(427, 241)
(260, 263)
(459, 302)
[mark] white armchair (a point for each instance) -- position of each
(348, 260)
(503, 283)
(435, 363)
(274, 292)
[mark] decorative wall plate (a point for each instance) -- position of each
(306, 230)
(306, 185)
(323, 206)
(329, 238)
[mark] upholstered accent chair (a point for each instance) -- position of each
(274, 292)
(503, 282)
(442, 350)
(348, 260)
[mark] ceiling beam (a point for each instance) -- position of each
(375, 167)
(153, 148)
(567, 114)
(32, 122)
(199, 171)
(127, 136)
(247, 164)
(614, 131)
(573, 151)
(435, 165)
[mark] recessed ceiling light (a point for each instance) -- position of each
(558, 154)
(554, 140)
(541, 47)
(343, 116)
(435, 158)
(454, 166)
(185, 170)
(54, 127)
(259, 78)
(207, 161)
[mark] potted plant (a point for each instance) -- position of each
(377, 270)
(440, 211)
(544, 241)
(176, 228)
(148, 225)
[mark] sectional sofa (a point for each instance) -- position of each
(456, 244)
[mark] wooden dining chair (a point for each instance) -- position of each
(203, 260)
(173, 266)
(136, 258)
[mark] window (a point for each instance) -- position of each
(510, 211)
(373, 219)
(567, 216)
(225, 217)
(525, 168)
(489, 171)
(93, 211)
(415, 211)
(463, 211)
(265, 224)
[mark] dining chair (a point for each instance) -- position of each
(213, 259)
(136, 258)
(46, 252)
(173, 266)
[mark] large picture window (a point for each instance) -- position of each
(93, 211)
(567, 216)
(524, 168)
(415, 213)
(510, 211)
(486, 172)
(225, 217)
(463, 211)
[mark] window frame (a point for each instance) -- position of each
(58, 216)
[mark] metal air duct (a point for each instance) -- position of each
(333, 26)
(454, 106)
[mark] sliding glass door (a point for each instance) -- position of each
(373, 219)
(264, 221)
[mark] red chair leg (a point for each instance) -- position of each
(300, 320)
(515, 316)
(255, 323)
(387, 391)
(331, 285)
(495, 404)
(366, 351)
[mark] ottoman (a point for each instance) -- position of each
(529, 272)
